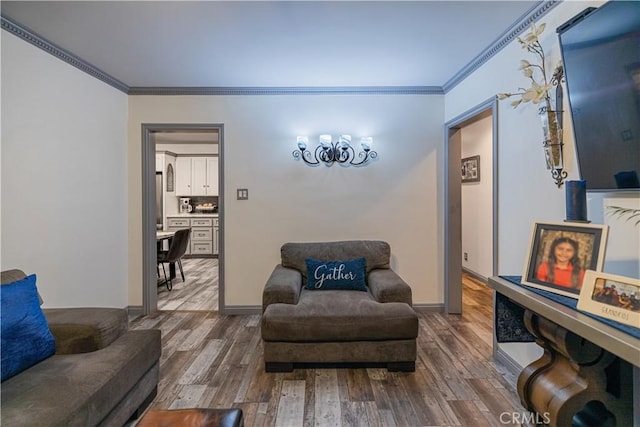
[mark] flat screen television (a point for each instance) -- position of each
(601, 55)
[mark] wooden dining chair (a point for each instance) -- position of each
(177, 249)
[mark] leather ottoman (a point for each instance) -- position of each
(197, 417)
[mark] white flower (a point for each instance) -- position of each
(536, 93)
(532, 37)
(541, 85)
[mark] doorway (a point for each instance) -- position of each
(454, 253)
(149, 272)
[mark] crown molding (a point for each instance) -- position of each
(30, 37)
(529, 17)
(507, 37)
(338, 90)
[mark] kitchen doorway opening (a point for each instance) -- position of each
(472, 134)
(162, 145)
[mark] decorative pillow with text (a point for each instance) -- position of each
(336, 275)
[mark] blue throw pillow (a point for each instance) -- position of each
(26, 338)
(331, 275)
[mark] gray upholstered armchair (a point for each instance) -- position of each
(377, 326)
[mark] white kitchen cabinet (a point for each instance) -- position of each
(177, 223)
(201, 239)
(215, 243)
(212, 176)
(198, 176)
(183, 176)
(204, 233)
(201, 248)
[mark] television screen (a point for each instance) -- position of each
(601, 55)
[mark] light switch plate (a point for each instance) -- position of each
(243, 194)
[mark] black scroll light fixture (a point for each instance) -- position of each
(329, 152)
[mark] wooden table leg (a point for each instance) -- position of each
(575, 382)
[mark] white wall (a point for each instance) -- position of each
(526, 192)
(64, 178)
(477, 200)
(623, 244)
(395, 198)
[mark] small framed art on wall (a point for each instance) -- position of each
(471, 169)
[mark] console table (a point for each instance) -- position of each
(585, 375)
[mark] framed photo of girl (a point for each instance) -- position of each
(612, 297)
(560, 253)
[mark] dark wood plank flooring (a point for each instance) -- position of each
(210, 360)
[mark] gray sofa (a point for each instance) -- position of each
(101, 373)
(302, 326)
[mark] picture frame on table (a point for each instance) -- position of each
(561, 253)
(611, 296)
(471, 169)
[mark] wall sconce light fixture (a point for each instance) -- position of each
(329, 152)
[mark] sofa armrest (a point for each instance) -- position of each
(387, 286)
(86, 329)
(283, 286)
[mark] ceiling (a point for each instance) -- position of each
(273, 43)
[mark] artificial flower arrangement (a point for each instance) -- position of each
(541, 85)
(539, 92)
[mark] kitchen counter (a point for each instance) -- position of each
(204, 231)
(193, 215)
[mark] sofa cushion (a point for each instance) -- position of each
(85, 329)
(376, 253)
(338, 275)
(10, 276)
(80, 389)
(26, 338)
(338, 316)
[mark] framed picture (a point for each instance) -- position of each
(560, 253)
(471, 169)
(612, 297)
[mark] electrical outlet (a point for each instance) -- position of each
(466, 256)
(243, 193)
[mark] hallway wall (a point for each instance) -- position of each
(477, 200)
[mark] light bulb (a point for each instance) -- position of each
(302, 142)
(366, 143)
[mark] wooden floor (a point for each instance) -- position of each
(209, 360)
(198, 291)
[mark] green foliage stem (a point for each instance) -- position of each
(628, 213)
